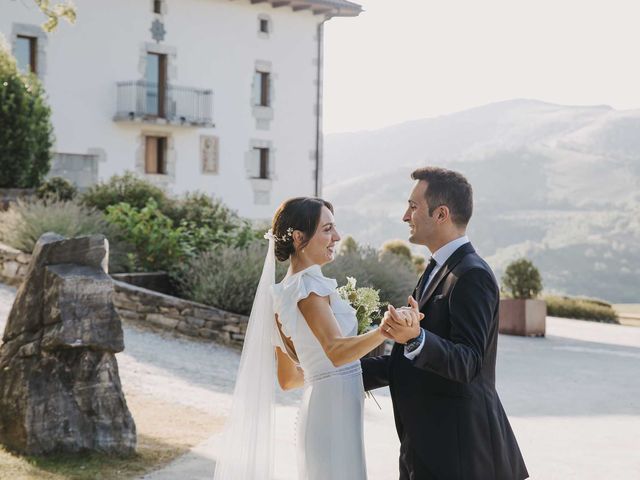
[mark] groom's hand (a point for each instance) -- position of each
(402, 325)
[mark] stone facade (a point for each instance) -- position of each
(149, 309)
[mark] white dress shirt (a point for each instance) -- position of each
(440, 256)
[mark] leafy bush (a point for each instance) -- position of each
(397, 247)
(24, 222)
(402, 250)
(26, 135)
(57, 188)
(226, 277)
(393, 275)
(157, 244)
(522, 279)
(581, 308)
(127, 188)
(208, 221)
(348, 245)
(419, 263)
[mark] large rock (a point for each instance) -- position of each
(60, 389)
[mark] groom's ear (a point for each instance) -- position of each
(443, 213)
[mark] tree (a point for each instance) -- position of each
(522, 279)
(26, 136)
(55, 12)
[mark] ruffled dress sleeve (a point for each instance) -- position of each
(290, 291)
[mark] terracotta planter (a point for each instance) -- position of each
(526, 318)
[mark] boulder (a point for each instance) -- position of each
(60, 389)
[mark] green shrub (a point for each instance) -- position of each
(397, 247)
(127, 188)
(208, 221)
(522, 279)
(226, 277)
(581, 308)
(26, 135)
(24, 222)
(393, 275)
(57, 188)
(157, 244)
(419, 263)
(348, 245)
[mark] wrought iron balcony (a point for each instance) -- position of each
(149, 102)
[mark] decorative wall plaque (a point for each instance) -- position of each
(209, 154)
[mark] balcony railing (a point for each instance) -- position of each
(176, 105)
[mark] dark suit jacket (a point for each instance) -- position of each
(445, 403)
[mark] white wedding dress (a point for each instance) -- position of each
(329, 439)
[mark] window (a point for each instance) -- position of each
(262, 157)
(157, 6)
(155, 155)
(264, 25)
(262, 80)
(26, 50)
(156, 84)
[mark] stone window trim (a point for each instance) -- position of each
(261, 187)
(34, 31)
(263, 114)
(262, 18)
(169, 51)
(163, 180)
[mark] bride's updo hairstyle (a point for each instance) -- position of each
(300, 213)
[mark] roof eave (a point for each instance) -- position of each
(348, 10)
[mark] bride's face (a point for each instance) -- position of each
(321, 247)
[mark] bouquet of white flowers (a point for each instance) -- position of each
(366, 302)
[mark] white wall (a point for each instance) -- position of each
(217, 45)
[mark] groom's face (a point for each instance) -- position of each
(421, 225)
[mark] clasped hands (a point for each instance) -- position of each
(402, 324)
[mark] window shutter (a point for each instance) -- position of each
(257, 88)
(151, 155)
(254, 163)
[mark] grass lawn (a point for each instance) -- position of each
(165, 431)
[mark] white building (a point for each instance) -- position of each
(220, 96)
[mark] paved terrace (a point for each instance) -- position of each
(573, 399)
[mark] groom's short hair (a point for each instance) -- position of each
(446, 187)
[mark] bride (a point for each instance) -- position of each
(303, 333)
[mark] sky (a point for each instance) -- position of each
(407, 59)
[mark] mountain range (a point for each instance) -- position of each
(557, 184)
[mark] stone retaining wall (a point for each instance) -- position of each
(13, 265)
(147, 308)
(9, 195)
(152, 309)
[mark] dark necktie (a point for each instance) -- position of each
(425, 278)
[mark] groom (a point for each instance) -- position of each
(441, 372)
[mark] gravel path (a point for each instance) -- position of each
(573, 399)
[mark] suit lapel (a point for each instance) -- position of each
(417, 289)
(451, 262)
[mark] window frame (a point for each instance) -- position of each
(264, 97)
(33, 51)
(160, 160)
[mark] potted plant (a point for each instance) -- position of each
(521, 313)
